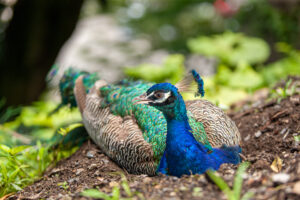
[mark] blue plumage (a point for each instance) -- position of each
(200, 83)
(183, 154)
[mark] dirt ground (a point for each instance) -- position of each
(267, 127)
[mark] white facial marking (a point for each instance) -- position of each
(165, 97)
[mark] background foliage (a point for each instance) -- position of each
(255, 42)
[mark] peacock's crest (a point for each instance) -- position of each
(187, 84)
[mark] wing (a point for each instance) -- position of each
(119, 137)
(220, 129)
(151, 121)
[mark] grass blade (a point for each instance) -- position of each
(238, 179)
(218, 180)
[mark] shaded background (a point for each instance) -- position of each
(111, 35)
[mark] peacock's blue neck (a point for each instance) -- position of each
(176, 112)
(177, 123)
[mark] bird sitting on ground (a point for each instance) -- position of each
(168, 135)
(183, 153)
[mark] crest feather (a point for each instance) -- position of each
(186, 84)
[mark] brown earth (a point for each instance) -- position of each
(267, 127)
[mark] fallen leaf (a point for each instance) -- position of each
(276, 165)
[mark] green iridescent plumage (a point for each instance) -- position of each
(67, 83)
(151, 121)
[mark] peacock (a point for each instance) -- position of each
(148, 128)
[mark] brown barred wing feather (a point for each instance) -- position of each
(220, 129)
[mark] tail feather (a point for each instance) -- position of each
(185, 85)
(68, 82)
(231, 154)
(80, 93)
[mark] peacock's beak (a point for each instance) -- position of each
(141, 99)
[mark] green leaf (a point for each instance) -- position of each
(4, 172)
(94, 194)
(18, 149)
(14, 174)
(172, 70)
(238, 179)
(65, 131)
(126, 188)
(218, 181)
(297, 138)
(247, 195)
(16, 187)
(231, 48)
(5, 148)
(245, 77)
(116, 193)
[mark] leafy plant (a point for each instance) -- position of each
(64, 185)
(21, 164)
(284, 67)
(172, 70)
(231, 48)
(282, 93)
(235, 192)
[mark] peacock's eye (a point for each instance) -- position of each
(158, 95)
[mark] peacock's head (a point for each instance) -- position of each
(167, 98)
(163, 96)
(160, 94)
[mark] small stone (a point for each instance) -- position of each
(286, 121)
(281, 178)
(90, 154)
(113, 184)
(257, 134)
(295, 100)
(97, 173)
(100, 179)
(92, 166)
(183, 188)
(64, 197)
(173, 194)
(296, 188)
(283, 131)
(71, 180)
(166, 189)
(247, 138)
(147, 180)
(76, 163)
(277, 107)
(78, 171)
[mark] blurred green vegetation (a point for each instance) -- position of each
(240, 71)
(169, 24)
(32, 141)
(172, 70)
(255, 45)
(231, 48)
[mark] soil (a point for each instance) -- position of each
(267, 127)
